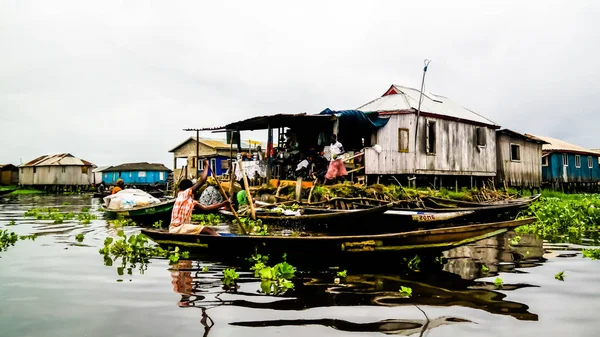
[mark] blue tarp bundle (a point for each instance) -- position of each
(357, 119)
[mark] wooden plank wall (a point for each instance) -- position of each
(527, 172)
(456, 149)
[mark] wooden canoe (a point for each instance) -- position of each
(435, 202)
(3, 192)
(324, 220)
(320, 248)
(146, 214)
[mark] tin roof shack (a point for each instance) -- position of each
(138, 174)
(9, 174)
(565, 163)
(444, 139)
(519, 159)
(217, 151)
(56, 170)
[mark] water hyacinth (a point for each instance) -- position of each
(570, 218)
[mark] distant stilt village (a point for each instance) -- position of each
(405, 137)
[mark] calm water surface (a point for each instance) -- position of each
(54, 286)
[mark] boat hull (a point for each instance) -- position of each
(144, 215)
(323, 248)
(327, 220)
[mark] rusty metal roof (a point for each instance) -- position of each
(527, 137)
(553, 144)
(281, 120)
(275, 121)
(61, 159)
(404, 99)
(142, 166)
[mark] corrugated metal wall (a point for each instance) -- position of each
(136, 177)
(556, 171)
(456, 149)
(56, 175)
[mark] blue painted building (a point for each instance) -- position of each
(139, 174)
(564, 163)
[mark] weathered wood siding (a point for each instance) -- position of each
(457, 152)
(527, 172)
(54, 175)
(9, 177)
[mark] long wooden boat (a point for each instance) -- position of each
(436, 202)
(145, 214)
(3, 192)
(319, 248)
(325, 220)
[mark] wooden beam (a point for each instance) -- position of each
(252, 210)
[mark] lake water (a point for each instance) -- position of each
(55, 286)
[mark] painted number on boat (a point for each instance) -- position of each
(424, 217)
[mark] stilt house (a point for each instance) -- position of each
(519, 159)
(443, 144)
(216, 151)
(56, 170)
(9, 174)
(565, 163)
(138, 174)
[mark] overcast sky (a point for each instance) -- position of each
(116, 81)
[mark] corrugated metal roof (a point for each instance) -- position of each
(524, 136)
(100, 169)
(404, 99)
(61, 159)
(214, 143)
(554, 144)
(299, 121)
(143, 166)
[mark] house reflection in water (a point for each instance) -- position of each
(495, 253)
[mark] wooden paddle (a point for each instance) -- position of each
(240, 225)
(252, 210)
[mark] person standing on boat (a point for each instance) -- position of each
(120, 186)
(336, 165)
(181, 217)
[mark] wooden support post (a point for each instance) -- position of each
(240, 225)
(252, 209)
(299, 189)
(269, 147)
(311, 189)
(456, 184)
(231, 176)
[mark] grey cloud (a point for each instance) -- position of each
(117, 81)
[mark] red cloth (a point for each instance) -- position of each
(336, 169)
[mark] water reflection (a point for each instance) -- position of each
(454, 285)
(389, 327)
